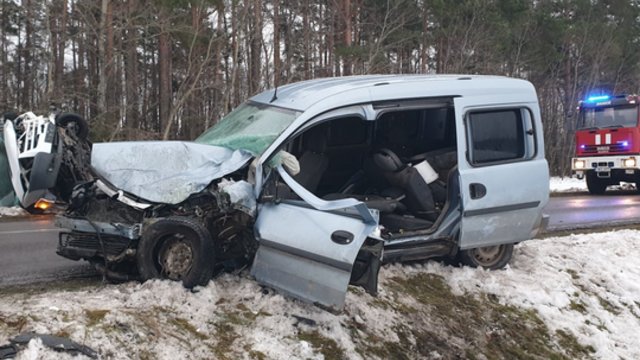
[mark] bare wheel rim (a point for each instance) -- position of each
(488, 255)
(175, 257)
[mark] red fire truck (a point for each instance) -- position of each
(607, 142)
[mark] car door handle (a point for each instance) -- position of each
(477, 190)
(342, 237)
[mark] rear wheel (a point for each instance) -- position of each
(596, 185)
(488, 257)
(176, 248)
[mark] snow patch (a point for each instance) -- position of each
(569, 184)
(586, 285)
(12, 211)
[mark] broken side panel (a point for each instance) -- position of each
(308, 253)
(308, 247)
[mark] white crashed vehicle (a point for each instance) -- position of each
(40, 152)
(315, 184)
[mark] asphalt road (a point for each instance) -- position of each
(28, 245)
(591, 211)
(28, 253)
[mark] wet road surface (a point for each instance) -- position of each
(28, 253)
(589, 211)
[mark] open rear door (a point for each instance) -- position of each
(308, 247)
(504, 178)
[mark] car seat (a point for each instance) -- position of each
(418, 195)
(313, 161)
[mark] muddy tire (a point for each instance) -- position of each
(79, 124)
(176, 248)
(595, 185)
(488, 257)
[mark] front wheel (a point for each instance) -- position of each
(176, 248)
(596, 185)
(488, 257)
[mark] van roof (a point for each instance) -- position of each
(345, 90)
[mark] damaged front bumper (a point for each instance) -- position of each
(90, 240)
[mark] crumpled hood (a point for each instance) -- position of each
(164, 171)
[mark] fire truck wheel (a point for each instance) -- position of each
(595, 185)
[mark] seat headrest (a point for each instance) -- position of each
(388, 161)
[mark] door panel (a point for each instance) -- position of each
(307, 248)
(502, 201)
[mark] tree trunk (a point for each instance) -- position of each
(306, 31)
(218, 100)
(330, 35)
(256, 45)
(4, 74)
(164, 71)
(27, 75)
(424, 56)
(62, 39)
(57, 15)
(102, 51)
(276, 43)
(347, 37)
(131, 69)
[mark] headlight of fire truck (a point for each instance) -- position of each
(579, 164)
(630, 162)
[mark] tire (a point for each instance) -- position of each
(595, 185)
(488, 257)
(80, 124)
(176, 248)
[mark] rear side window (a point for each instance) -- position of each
(500, 136)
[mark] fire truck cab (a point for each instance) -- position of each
(607, 142)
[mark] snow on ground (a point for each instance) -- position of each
(585, 285)
(11, 211)
(568, 184)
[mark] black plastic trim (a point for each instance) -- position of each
(344, 266)
(498, 209)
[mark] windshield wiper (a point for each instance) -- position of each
(613, 126)
(590, 128)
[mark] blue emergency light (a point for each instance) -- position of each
(592, 99)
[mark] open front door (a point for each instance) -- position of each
(504, 178)
(308, 246)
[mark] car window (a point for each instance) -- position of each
(499, 135)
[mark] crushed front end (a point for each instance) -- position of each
(105, 226)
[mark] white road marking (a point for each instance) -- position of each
(28, 231)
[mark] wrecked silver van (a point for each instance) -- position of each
(315, 184)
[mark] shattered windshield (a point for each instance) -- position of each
(602, 117)
(251, 127)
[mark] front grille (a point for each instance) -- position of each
(113, 245)
(596, 149)
(602, 164)
(33, 130)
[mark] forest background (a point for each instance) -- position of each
(151, 69)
